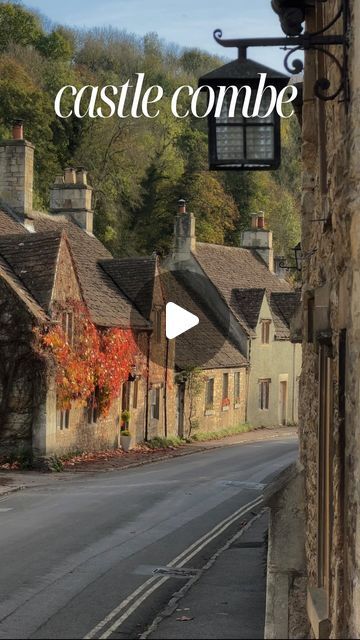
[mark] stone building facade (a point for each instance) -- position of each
(253, 307)
(329, 407)
(52, 259)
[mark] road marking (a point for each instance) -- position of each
(180, 561)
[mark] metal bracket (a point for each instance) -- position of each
(314, 41)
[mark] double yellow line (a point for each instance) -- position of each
(112, 622)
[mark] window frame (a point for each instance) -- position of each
(264, 396)
(209, 403)
(92, 409)
(155, 403)
(62, 419)
(237, 388)
(265, 331)
(68, 326)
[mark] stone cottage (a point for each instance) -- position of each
(50, 259)
(317, 582)
(252, 306)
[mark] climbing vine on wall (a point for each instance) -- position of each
(86, 358)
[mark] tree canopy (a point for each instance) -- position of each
(139, 168)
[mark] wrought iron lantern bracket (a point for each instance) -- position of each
(314, 41)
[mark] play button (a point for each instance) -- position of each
(178, 304)
(178, 320)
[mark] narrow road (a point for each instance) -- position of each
(90, 558)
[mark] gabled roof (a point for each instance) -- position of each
(247, 303)
(9, 224)
(283, 307)
(135, 277)
(33, 259)
(8, 276)
(234, 269)
(107, 304)
(205, 345)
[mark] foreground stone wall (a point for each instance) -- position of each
(331, 273)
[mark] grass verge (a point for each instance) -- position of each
(202, 436)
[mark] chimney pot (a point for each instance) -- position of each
(81, 175)
(18, 130)
(70, 175)
(182, 205)
(261, 220)
(254, 220)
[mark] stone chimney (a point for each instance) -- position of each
(17, 171)
(184, 233)
(71, 196)
(259, 239)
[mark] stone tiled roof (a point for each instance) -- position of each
(135, 277)
(107, 304)
(9, 223)
(205, 345)
(234, 269)
(283, 307)
(7, 274)
(33, 259)
(248, 304)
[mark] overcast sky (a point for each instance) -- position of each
(189, 23)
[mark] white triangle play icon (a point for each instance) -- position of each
(178, 320)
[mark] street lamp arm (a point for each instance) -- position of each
(316, 41)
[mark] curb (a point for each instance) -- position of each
(141, 463)
(171, 606)
(8, 490)
(182, 452)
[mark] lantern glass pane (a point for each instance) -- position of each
(259, 142)
(230, 142)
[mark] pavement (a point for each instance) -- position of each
(17, 480)
(99, 555)
(227, 600)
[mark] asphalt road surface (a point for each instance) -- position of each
(99, 555)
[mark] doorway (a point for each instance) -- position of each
(283, 392)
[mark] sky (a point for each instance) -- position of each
(188, 23)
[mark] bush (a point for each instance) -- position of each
(164, 443)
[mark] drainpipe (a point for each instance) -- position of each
(166, 385)
(147, 389)
(293, 384)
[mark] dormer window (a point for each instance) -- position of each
(265, 331)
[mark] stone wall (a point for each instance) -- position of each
(22, 390)
(331, 274)
(204, 419)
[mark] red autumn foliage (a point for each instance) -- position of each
(93, 359)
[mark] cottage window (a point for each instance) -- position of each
(155, 403)
(225, 387)
(63, 419)
(264, 393)
(265, 331)
(93, 407)
(209, 393)
(237, 387)
(135, 393)
(157, 325)
(67, 323)
(325, 458)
